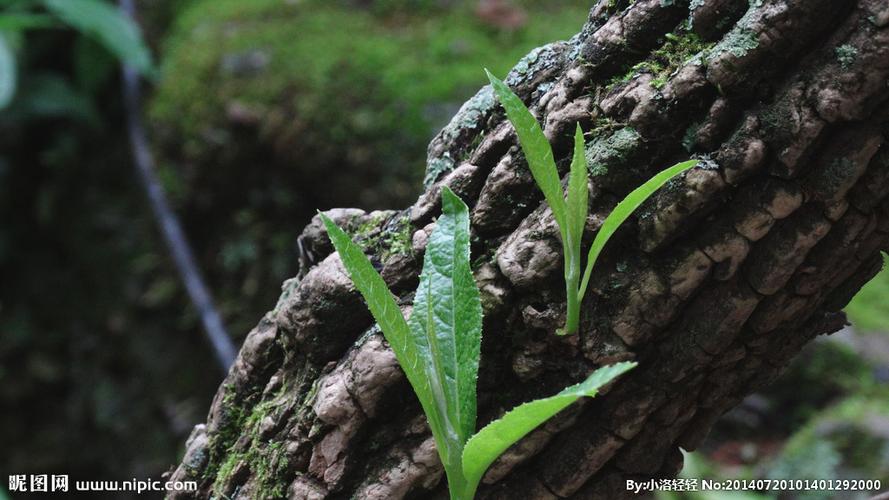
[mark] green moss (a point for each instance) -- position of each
(228, 430)
(398, 240)
(368, 231)
(846, 55)
(266, 461)
(226, 469)
(379, 237)
(677, 49)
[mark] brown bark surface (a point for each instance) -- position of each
(712, 288)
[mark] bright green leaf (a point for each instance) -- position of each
(578, 194)
(577, 208)
(388, 315)
(536, 147)
(7, 72)
(438, 348)
(622, 212)
(109, 26)
(446, 323)
(490, 442)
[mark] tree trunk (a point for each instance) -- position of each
(712, 288)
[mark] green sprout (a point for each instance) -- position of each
(571, 213)
(439, 348)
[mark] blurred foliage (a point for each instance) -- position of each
(84, 358)
(96, 20)
(821, 376)
(848, 440)
(268, 110)
(100, 353)
(869, 310)
(827, 417)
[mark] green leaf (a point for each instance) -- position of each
(496, 437)
(446, 323)
(388, 315)
(438, 348)
(622, 212)
(578, 195)
(536, 147)
(109, 26)
(7, 72)
(17, 21)
(577, 208)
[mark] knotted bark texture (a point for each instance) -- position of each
(713, 287)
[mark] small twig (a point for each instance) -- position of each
(169, 224)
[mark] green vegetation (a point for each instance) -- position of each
(265, 459)
(827, 414)
(267, 109)
(439, 349)
(94, 19)
(677, 49)
(374, 80)
(869, 310)
(395, 239)
(847, 436)
(571, 215)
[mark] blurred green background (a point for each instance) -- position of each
(260, 112)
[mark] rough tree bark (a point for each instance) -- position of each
(713, 288)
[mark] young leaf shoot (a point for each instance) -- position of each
(571, 216)
(439, 348)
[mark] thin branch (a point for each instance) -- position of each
(169, 224)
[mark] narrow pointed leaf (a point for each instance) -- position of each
(623, 210)
(490, 442)
(388, 315)
(577, 208)
(446, 324)
(578, 194)
(536, 147)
